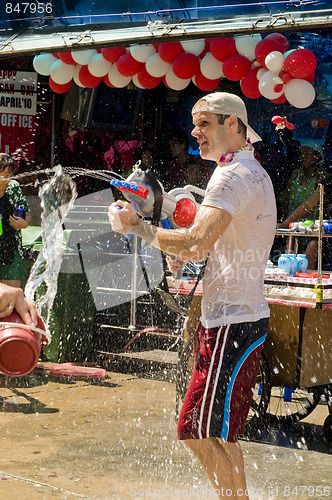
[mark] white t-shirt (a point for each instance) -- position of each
(234, 277)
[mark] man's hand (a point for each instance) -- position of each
(174, 265)
(13, 298)
(18, 222)
(122, 216)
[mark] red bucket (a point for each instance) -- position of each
(20, 345)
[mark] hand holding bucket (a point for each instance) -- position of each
(20, 345)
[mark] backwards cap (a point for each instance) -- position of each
(223, 103)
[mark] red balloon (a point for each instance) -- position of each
(127, 65)
(55, 54)
(185, 65)
(169, 51)
(112, 54)
(279, 100)
(235, 67)
(222, 48)
(285, 76)
(107, 82)
(310, 78)
(264, 47)
(300, 63)
(87, 79)
(204, 83)
(146, 80)
(59, 89)
(249, 84)
(278, 37)
(66, 57)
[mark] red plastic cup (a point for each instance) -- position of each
(20, 345)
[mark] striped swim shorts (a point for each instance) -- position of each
(226, 363)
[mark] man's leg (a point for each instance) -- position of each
(223, 463)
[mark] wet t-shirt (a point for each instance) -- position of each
(234, 277)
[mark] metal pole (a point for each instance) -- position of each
(132, 325)
(320, 233)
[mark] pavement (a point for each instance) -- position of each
(116, 439)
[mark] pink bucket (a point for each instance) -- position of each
(20, 345)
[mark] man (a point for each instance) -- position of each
(235, 227)
(13, 298)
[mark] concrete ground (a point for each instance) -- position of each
(116, 439)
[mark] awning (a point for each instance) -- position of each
(85, 25)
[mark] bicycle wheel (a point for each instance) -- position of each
(294, 406)
(261, 396)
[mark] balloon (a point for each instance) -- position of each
(66, 57)
(266, 86)
(193, 46)
(300, 63)
(98, 66)
(175, 83)
(185, 65)
(112, 54)
(107, 82)
(169, 51)
(204, 83)
(117, 79)
(281, 39)
(279, 100)
(136, 82)
(210, 67)
(261, 72)
(156, 66)
(249, 84)
(274, 61)
(285, 76)
(264, 47)
(310, 78)
(141, 52)
(87, 79)
(127, 65)
(299, 93)
(146, 80)
(59, 89)
(61, 72)
(76, 77)
(221, 48)
(246, 44)
(83, 56)
(42, 63)
(235, 67)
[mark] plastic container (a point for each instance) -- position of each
(285, 263)
(302, 263)
(327, 226)
(20, 345)
(20, 212)
(293, 258)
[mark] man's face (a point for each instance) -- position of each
(5, 176)
(210, 134)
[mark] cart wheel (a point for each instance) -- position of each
(292, 409)
(328, 427)
(261, 397)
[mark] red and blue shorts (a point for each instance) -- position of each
(226, 363)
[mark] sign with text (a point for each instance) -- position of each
(18, 103)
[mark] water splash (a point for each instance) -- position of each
(57, 198)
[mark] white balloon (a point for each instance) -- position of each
(278, 80)
(174, 82)
(155, 65)
(274, 61)
(42, 63)
(98, 66)
(246, 44)
(116, 78)
(260, 73)
(83, 56)
(194, 46)
(142, 52)
(299, 93)
(210, 67)
(266, 86)
(76, 76)
(136, 82)
(61, 72)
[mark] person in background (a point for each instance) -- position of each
(11, 198)
(173, 173)
(234, 229)
(197, 172)
(301, 195)
(13, 298)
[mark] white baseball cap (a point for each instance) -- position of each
(223, 103)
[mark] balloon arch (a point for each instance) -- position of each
(263, 66)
